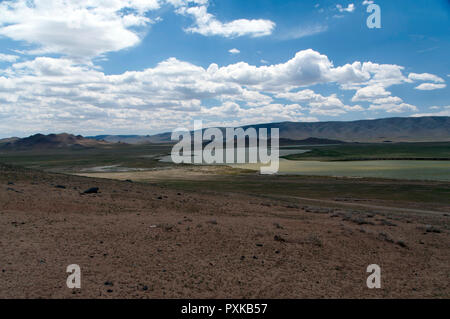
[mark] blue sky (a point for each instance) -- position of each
(148, 66)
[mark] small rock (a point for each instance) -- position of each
(432, 229)
(92, 190)
(109, 283)
(387, 223)
(60, 186)
(401, 244)
(385, 237)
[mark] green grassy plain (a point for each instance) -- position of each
(384, 151)
(70, 160)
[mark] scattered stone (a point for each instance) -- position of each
(60, 186)
(10, 183)
(160, 197)
(432, 229)
(385, 237)
(167, 227)
(429, 229)
(361, 221)
(144, 288)
(15, 224)
(109, 283)
(278, 226)
(387, 223)
(129, 181)
(279, 238)
(109, 290)
(401, 244)
(92, 190)
(259, 245)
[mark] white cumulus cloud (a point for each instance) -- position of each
(64, 94)
(425, 77)
(430, 86)
(8, 57)
(82, 29)
(349, 8)
(207, 24)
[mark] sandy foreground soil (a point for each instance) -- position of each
(136, 240)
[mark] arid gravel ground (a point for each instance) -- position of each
(135, 240)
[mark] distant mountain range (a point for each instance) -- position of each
(52, 141)
(398, 129)
(409, 129)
